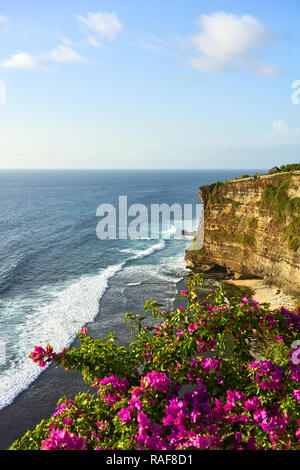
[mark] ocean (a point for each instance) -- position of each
(56, 275)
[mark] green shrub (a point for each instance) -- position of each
(286, 211)
(190, 381)
(290, 167)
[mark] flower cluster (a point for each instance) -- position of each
(292, 319)
(111, 388)
(41, 355)
(294, 358)
(158, 380)
(267, 374)
(195, 379)
(63, 440)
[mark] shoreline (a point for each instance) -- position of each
(263, 293)
(39, 399)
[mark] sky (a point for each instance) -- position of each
(181, 84)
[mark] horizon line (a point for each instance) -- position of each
(126, 169)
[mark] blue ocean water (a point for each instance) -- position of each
(53, 268)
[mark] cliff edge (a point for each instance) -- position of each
(251, 229)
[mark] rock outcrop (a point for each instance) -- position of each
(251, 229)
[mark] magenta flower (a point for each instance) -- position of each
(39, 355)
(124, 415)
(158, 380)
(252, 404)
(192, 327)
(115, 383)
(296, 394)
(68, 421)
(101, 425)
(267, 374)
(61, 409)
(63, 440)
(143, 419)
(278, 339)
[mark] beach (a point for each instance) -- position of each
(264, 293)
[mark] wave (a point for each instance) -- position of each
(14, 268)
(170, 231)
(55, 321)
(139, 254)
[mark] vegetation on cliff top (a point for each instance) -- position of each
(286, 210)
(275, 170)
(290, 167)
(188, 381)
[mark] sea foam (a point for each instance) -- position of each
(56, 321)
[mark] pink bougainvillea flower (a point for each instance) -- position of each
(63, 440)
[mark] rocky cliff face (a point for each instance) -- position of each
(252, 229)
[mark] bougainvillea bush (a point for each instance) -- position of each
(215, 374)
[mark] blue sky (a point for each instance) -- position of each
(149, 84)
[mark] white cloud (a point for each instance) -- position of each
(267, 70)
(282, 134)
(281, 127)
(107, 25)
(24, 60)
(64, 53)
(21, 60)
(152, 43)
(67, 41)
(3, 19)
(94, 42)
(227, 41)
(208, 64)
(226, 37)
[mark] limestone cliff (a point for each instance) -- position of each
(252, 228)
